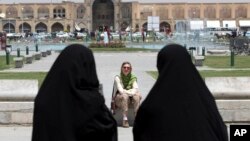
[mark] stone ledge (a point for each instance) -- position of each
(199, 57)
(18, 90)
(37, 55)
(18, 62)
(13, 106)
(198, 60)
(218, 52)
(49, 52)
(16, 118)
(234, 110)
(28, 59)
(16, 112)
(44, 53)
(229, 87)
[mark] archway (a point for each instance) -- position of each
(9, 28)
(103, 14)
(41, 27)
(57, 27)
(165, 27)
(24, 28)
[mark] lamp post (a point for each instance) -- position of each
(9, 21)
(22, 20)
(8, 50)
(131, 32)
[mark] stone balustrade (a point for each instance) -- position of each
(16, 101)
(232, 96)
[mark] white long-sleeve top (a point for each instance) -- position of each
(120, 87)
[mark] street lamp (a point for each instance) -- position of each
(131, 36)
(9, 21)
(22, 20)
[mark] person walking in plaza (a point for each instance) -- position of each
(143, 34)
(179, 107)
(69, 106)
(126, 91)
(105, 37)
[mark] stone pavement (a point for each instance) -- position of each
(108, 65)
(23, 133)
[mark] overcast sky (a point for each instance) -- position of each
(142, 1)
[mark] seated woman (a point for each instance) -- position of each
(126, 92)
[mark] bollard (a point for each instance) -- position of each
(232, 58)
(191, 49)
(18, 52)
(36, 47)
(131, 36)
(203, 51)
(27, 50)
(7, 57)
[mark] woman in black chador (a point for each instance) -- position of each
(68, 106)
(179, 107)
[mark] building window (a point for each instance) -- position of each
(178, 12)
(241, 12)
(162, 12)
(80, 11)
(59, 11)
(146, 11)
(11, 12)
(43, 12)
(126, 12)
(194, 12)
(27, 12)
(210, 12)
(225, 12)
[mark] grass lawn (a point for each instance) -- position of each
(3, 64)
(224, 61)
(212, 73)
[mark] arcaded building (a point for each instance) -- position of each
(118, 15)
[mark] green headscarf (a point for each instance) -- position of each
(128, 80)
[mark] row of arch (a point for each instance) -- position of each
(42, 12)
(178, 12)
(163, 26)
(195, 12)
(26, 27)
(56, 27)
